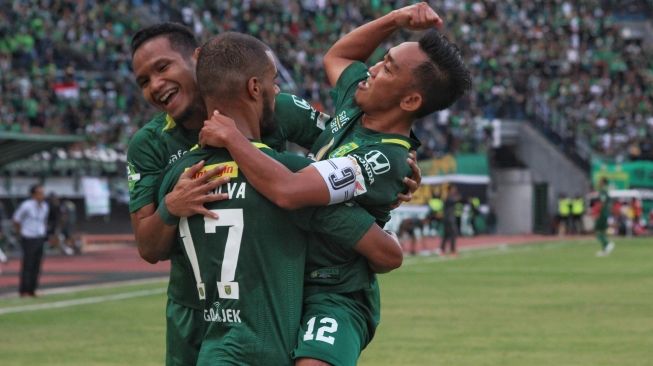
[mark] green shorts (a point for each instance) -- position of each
(334, 329)
(184, 333)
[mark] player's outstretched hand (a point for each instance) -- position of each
(216, 130)
(411, 183)
(194, 189)
(419, 16)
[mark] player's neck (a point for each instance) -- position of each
(242, 117)
(387, 122)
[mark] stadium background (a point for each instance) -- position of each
(562, 95)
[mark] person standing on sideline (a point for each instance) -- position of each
(450, 232)
(30, 221)
(601, 224)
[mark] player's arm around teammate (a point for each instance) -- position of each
(293, 190)
(155, 227)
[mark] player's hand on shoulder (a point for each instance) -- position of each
(193, 190)
(412, 183)
(216, 130)
(419, 16)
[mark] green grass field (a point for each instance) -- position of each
(541, 304)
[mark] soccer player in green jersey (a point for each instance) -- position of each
(248, 263)
(164, 57)
(375, 110)
(601, 224)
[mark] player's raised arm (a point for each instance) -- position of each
(360, 43)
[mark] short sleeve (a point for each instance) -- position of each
(297, 121)
(346, 86)
(342, 224)
(384, 168)
(145, 162)
(291, 161)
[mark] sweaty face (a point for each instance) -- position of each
(270, 90)
(390, 79)
(166, 78)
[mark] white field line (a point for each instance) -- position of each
(79, 288)
(83, 301)
(499, 249)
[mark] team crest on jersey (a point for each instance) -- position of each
(344, 150)
(231, 170)
(132, 176)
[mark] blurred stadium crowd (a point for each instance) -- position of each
(567, 66)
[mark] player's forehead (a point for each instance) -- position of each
(152, 51)
(272, 66)
(407, 55)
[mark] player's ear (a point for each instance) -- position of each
(196, 54)
(254, 87)
(411, 102)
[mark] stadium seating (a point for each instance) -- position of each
(65, 66)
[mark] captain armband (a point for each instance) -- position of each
(343, 178)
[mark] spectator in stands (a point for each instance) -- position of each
(30, 220)
(64, 66)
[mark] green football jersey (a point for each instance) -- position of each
(248, 264)
(382, 158)
(159, 143)
(296, 121)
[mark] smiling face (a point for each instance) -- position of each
(391, 79)
(167, 78)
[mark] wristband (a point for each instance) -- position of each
(167, 217)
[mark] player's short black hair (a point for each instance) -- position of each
(442, 79)
(227, 61)
(180, 37)
(33, 188)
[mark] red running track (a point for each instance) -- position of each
(103, 263)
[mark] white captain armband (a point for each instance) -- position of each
(343, 178)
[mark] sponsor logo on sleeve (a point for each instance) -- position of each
(301, 103)
(132, 176)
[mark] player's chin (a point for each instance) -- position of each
(360, 97)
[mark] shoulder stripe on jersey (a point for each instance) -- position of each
(170, 123)
(261, 145)
(195, 147)
(396, 141)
